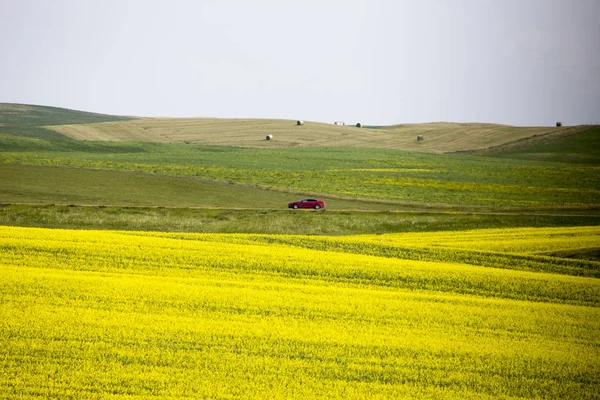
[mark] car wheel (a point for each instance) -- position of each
(295, 206)
(317, 207)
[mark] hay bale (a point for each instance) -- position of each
(358, 125)
(420, 138)
(558, 124)
(299, 122)
(269, 137)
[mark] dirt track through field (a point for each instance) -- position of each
(412, 211)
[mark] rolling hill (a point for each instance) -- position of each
(439, 137)
(375, 164)
(32, 120)
(580, 146)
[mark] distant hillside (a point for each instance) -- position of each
(579, 144)
(438, 137)
(30, 120)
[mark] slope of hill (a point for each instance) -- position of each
(578, 145)
(441, 137)
(30, 120)
(438, 137)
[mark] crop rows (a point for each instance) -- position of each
(521, 249)
(113, 314)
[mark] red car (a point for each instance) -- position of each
(307, 203)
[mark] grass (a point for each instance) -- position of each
(76, 186)
(351, 173)
(388, 175)
(325, 222)
(30, 120)
(108, 314)
(583, 148)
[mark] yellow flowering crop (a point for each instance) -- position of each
(137, 315)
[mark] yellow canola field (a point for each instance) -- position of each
(518, 241)
(136, 315)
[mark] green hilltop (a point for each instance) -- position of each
(30, 120)
(579, 145)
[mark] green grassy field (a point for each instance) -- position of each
(325, 222)
(75, 186)
(583, 148)
(404, 178)
(368, 174)
(108, 314)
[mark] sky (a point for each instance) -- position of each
(378, 62)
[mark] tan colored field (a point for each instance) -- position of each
(438, 137)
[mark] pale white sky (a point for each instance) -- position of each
(520, 62)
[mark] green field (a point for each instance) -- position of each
(156, 258)
(270, 221)
(582, 148)
(27, 184)
(381, 173)
(369, 174)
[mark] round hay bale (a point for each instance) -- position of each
(558, 124)
(269, 137)
(358, 125)
(420, 138)
(299, 122)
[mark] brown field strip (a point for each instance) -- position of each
(438, 137)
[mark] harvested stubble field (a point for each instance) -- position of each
(114, 314)
(439, 137)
